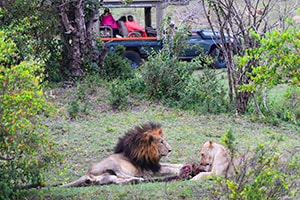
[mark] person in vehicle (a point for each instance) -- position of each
(122, 28)
(132, 25)
(108, 20)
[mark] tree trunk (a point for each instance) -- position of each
(242, 99)
(77, 34)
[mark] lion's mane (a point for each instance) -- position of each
(139, 145)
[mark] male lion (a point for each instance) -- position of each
(217, 159)
(136, 156)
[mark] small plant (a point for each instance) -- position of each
(73, 109)
(228, 140)
(118, 97)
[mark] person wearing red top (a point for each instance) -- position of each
(132, 25)
(108, 20)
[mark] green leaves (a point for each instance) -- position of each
(278, 57)
(25, 150)
(275, 62)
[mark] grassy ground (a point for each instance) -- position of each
(92, 134)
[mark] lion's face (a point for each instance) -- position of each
(163, 147)
(144, 146)
(206, 154)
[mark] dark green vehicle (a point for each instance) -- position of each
(198, 41)
(139, 48)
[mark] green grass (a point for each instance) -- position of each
(92, 136)
(174, 190)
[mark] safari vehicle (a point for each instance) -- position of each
(138, 48)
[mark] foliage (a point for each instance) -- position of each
(204, 93)
(32, 26)
(287, 108)
(228, 140)
(118, 94)
(261, 175)
(279, 60)
(26, 152)
(136, 84)
(290, 108)
(165, 76)
(115, 66)
(53, 70)
(73, 109)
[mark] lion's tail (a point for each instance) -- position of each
(79, 182)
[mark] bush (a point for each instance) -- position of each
(115, 66)
(26, 152)
(261, 174)
(136, 84)
(165, 76)
(53, 69)
(205, 94)
(118, 97)
(289, 108)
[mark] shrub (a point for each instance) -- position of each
(289, 108)
(26, 152)
(204, 93)
(118, 97)
(53, 69)
(115, 66)
(136, 84)
(165, 76)
(261, 174)
(278, 104)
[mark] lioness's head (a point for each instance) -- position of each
(206, 154)
(144, 146)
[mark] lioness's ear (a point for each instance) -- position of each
(210, 144)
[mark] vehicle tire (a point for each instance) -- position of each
(218, 57)
(133, 57)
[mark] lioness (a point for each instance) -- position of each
(136, 156)
(217, 159)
